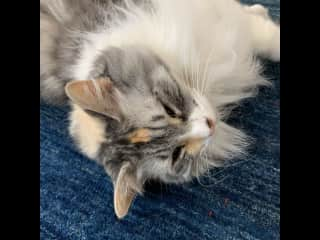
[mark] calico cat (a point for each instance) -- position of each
(151, 83)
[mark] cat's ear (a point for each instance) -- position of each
(126, 188)
(97, 95)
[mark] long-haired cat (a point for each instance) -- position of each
(152, 82)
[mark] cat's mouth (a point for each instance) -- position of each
(195, 145)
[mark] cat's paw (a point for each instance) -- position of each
(258, 9)
(275, 46)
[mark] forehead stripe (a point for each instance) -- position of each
(157, 128)
(163, 157)
(158, 118)
(141, 135)
(159, 151)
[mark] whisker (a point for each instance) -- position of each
(192, 74)
(198, 78)
(206, 68)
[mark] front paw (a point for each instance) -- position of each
(258, 9)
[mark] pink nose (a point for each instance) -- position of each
(210, 124)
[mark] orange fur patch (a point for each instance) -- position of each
(88, 131)
(174, 121)
(140, 135)
(193, 146)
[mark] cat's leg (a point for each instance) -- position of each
(265, 32)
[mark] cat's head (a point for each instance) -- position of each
(140, 121)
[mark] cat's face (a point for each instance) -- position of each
(154, 126)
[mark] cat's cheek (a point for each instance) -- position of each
(153, 170)
(87, 132)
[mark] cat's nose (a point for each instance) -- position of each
(210, 124)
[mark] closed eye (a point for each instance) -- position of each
(169, 111)
(177, 153)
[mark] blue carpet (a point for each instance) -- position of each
(241, 201)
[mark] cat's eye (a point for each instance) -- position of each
(169, 111)
(177, 153)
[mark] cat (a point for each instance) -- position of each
(151, 83)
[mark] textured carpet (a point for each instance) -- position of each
(241, 201)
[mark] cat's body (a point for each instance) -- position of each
(156, 79)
